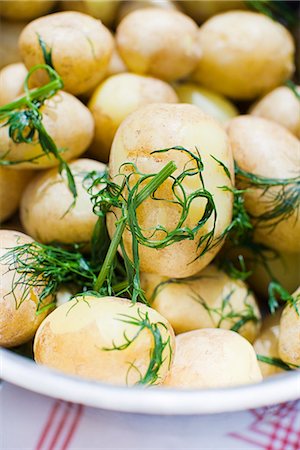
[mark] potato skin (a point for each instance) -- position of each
(116, 98)
(74, 339)
(289, 333)
(282, 106)
(180, 302)
(67, 121)
(245, 54)
(25, 9)
(18, 319)
(160, 126)
(12, 185)
(12, 79)
(212, 358)
(45, 206)
(80, 58)
(148, 44)
(264, 148)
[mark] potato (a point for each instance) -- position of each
(282, 106)
(12, 79)
(148, 43)
(160, 126)
(104, 10)
(9, 36)
(12, 185)
(46, 212)
(266, 149)
(289, 332)
(92, 337)
(211, 103)
(118, 96)
(127, 7)
(18, 301)
(25, 9)
(267, 344)
(212, 358)
(210, 299)
(202, 10)
(245, 54)
(116, 64)
(80, 49)
(68, 122)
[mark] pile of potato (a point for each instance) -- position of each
(140, 76)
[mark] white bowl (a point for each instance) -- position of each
(25, 373)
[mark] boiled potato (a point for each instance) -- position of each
(208, 300)
(267, 344)
(116, 64)
(213, 358)
(9, 36)
(68, 122)
(211, 103)
(118, 96)
(80, 49)
(266, 149)
(12, 185)
(12, 79)
(92, 337)
(148, 43)
(104, 10)
(289, 332)
(45, 208)
(160, 126)
(282, 106)
(18, 301)
(245, 54)
(127, 7)
(25, 9)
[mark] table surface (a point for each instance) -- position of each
(36, 422)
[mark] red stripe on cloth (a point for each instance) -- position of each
(73, 427)
(279, 428)
(56, 434)
(48, 424)
(246, 439)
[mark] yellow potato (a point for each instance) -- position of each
(45, 208)
(289, 332)
(148, 43)
(104, 10)
(208, 300)
(18, 301)
(116, 64)
(213, 358)
(282, 106)
(80, 49)
(9, 37)
(90, 337)
(160, 126)
(12, 185)
(67, 121)
(25, 9)
(118, 96)
(203, 9)
(245, 54)
(127, 7)
(12, 79)
(266, 149)
(211, 103)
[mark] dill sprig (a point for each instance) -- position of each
(293, 87)
(275, 9)
(277, 362)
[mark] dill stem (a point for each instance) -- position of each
(151, 187)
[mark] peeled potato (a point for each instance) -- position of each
(116, 64)
(213, 358)
(118, 96)
(245, 54)
(67, 121)
(12, 185)
(25, 9)
(148, 43)
(282, 106)
(208, 300)
(160, 126)
(12, 79)
(104, 10)
(127, 7)
(264, 148)
(85, 337)
(46, 212)
(18, 301)
(80, 49)
(289, 332)
(9, 36)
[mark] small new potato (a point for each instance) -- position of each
(69, 123)
(264, 148)
(12, 79)
(116, 98)
(18, 301)
(245, 54)
(282, 106)
(25, 9)
(289, 332)
(161, 126)
(208, 300)
(106, 339)
(80, 49)
(12, 185)
(210, 102)
(116, 64)
(46, 212)
(104, 10)
(147, 40)
(132, 5)
(212, 358)
(9, 37)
